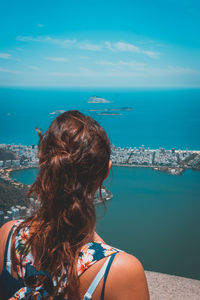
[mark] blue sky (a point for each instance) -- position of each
(64, 43)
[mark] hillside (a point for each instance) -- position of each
(11, 195)
(7, 155)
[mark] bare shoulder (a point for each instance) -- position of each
(4, 231)
(7, 225)
(127, 261)
(127, 279)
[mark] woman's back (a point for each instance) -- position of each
(126, 279)
(74, 160)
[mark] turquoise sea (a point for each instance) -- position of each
(153, 215)
(160, 118)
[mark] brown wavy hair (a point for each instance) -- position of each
(73, 156)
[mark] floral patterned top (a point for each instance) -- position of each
(88, 255)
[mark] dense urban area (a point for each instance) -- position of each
(171, 161)
(13, 202)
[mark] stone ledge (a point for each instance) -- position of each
(167, 287)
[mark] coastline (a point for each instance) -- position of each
(173, 162)
(178, 171)
(6, 174)
(168, 170)
(106, 194)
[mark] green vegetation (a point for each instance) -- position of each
(11, 195)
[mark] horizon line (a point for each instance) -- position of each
(93, 87)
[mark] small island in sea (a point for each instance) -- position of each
(57, 112)
(95, 99)
(108, 113)
(111, 111)
(122, 109)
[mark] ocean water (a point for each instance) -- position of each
(152, 215)
(160, 118)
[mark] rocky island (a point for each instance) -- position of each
(95, 99)
(57, 112)
(109, 113)
(111, 109)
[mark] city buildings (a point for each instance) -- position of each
(171, 161)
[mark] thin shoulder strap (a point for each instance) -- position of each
(106, 274)
(7, 260)
(104, 269)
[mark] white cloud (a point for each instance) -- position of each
(5, 55)
(121, 46)
(133, 64)
(88, 72)
(140, 69)
(21, 38)
(181, 70)
(57, 59)
(84, 57)
(81, 72)
(8, 71)
(68, 43)
(109, 46)
(19, 49)
(85, 45)
(35, 68)
(65, 43)
(151, 53)
(62, 74)
(127, 47)
(128, 74)
(8, 56)
(149, 72)
(89, 46)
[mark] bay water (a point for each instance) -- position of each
(152, 215)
